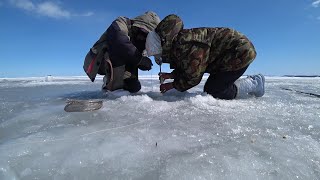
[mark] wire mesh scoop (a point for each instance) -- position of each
(74, 105)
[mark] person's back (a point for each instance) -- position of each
(216, 42)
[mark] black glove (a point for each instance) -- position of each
(145, 64)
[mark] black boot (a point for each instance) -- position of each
(132, 85)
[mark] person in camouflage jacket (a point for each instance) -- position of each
(224, 53)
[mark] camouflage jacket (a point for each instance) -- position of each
(207, 50)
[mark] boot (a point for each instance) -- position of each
(132, 85)
(131, 82)
(252, 85)
(106, 80)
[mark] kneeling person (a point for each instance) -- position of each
(224, 53)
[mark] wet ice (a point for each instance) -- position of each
(197, 136)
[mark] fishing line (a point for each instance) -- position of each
(70, 138)
(151, 80)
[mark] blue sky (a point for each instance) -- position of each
(38, 37)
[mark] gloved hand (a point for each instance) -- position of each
(164, 76)
(145, 64)
(166, 87)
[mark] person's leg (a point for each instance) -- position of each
(113, 78)
(131, 82)
(250, 86)
(233, 53)
(221, 85)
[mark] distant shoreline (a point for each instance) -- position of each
(153, 76)
(301, 76)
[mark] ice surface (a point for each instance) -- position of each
(152, 136)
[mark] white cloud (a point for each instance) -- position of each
(47, 8)
(52, 10)
(87, 14)
(316, 3)
(23, 4)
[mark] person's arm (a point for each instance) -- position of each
(122, 46)
(192, 70)
(164, 87)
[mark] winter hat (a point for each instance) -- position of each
(167, 30)
(148, 21)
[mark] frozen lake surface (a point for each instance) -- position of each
(152, 136)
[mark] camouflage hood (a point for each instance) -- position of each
(148, 21)
(168, 29)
